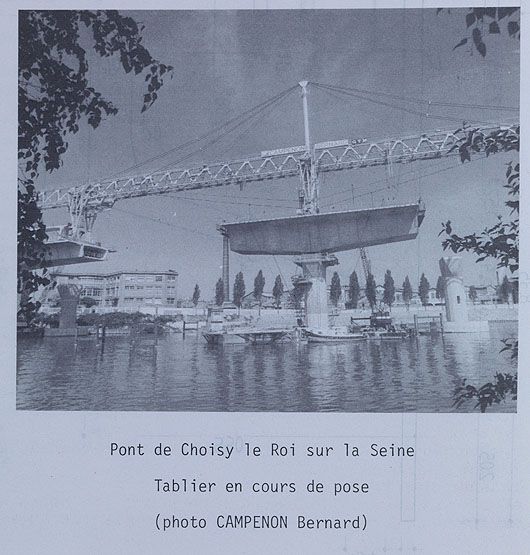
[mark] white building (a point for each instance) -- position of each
(123, 291)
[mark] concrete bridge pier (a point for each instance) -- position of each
(455, 293)
(68, 300)
(314, 267)
(455, 299)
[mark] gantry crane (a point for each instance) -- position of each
(307, 161)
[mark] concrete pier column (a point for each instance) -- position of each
(226, 267)
(68, 301)
(455, 293)
(314, 267)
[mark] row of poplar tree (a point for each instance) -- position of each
(506, 290)
(389, 290)
(354, 290)
(239, 290)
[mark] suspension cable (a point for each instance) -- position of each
(420, 100)
(246, 115)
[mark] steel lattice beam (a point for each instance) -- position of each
(276, 164)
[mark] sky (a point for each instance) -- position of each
(226, 62)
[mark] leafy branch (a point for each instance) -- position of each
(500, 241)
(480, 19)
(502, 386)
(54, 96)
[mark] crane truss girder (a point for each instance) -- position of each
(330, 156)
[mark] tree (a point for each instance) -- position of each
(515, 291)
(54, 97)
(277, 290)
(219, 292)
(440, 288)
(259, 284)
(423, 290)
(196, 295)
(472, 293)
(505, 290)
(354, 290)
(370, 291)
(296, 295)
(335, 289)
(88, 302)
(239, 290)
(389, 289)
(407, 292)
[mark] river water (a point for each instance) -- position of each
(176, 374)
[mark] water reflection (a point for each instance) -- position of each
(176, 374)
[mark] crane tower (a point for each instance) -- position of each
(314, 237)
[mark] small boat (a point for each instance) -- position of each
(332, 336)
(245, 335)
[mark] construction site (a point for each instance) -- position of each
(310, 237)
(325, 222)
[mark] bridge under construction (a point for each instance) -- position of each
(312, 236)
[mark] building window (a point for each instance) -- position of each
(158, 278)
(139, 287)
(171, 278)
(170, 300)
(129, 287)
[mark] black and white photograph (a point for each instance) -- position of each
(268, 210)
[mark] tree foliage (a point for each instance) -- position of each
(423, 290)
(219, 292)
(407, 292)
(354, 290)
(239, 289)
(515, 291)
(488, 21)
(371, 291)
(440, 288)
(31, 251)
(88, 302)
(259, 285)
(500, 241)
(503, 385)
(54, 97)
(296, 296)
(505, 290)
(196, 295)
(277, 290)
(335, 289)
(389, 289)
